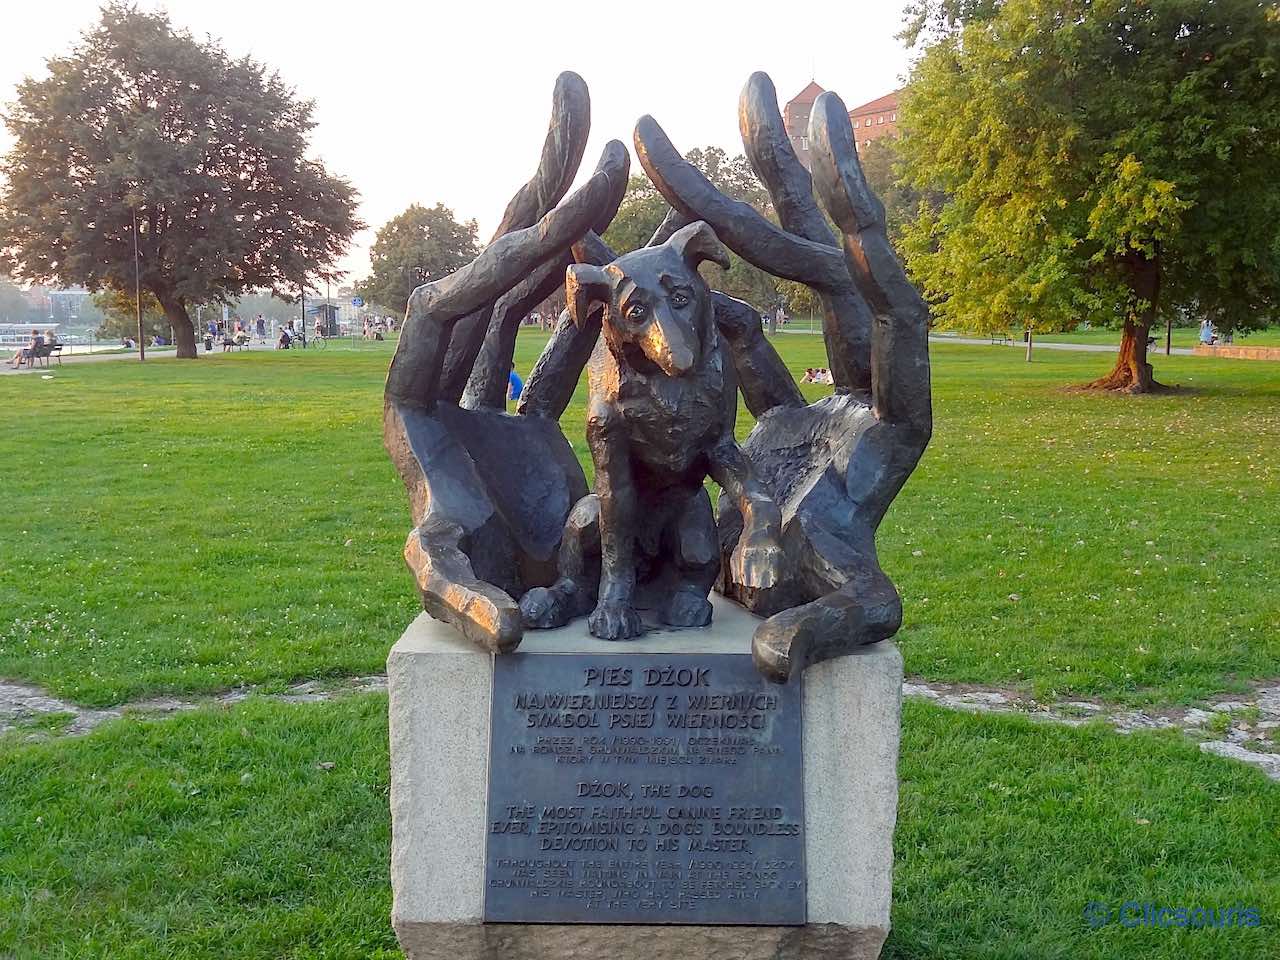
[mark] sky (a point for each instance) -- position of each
(448, 103)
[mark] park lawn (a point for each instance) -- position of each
(220, 833)
(189, 526)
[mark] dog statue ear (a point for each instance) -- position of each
(697, 242)
(585, 284)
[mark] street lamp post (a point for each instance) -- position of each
(137, 287)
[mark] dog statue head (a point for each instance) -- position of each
(655, 302)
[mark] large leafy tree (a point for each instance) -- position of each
(881, 162)
(208, 151)
(120, 315)
(1104, 160)
(421, 244)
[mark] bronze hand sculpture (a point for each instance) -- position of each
(834, 466)
(490, 492)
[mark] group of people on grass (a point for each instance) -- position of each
(33, 347)
(816, 375)
(377, 328)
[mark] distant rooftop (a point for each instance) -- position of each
(808, 94)
(888, 102)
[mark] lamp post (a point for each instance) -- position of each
(137, 287)
(417, 276)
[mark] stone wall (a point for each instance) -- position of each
(1237, 352)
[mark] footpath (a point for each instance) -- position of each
(159, 354)
(1047, 345)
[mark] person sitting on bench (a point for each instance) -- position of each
(28, 352)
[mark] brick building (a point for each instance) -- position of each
(795, 117)
(871, 121)
(875, 119)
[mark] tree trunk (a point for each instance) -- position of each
(1132, 372)
(184, 332)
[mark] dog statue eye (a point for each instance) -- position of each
(679, 299)
(636, 311)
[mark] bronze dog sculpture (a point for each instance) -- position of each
(662, 408)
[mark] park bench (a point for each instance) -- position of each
(41, 354)
(230, 343)
(1001, 338)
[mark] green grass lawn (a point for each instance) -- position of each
(180, 526)
(219, 834)
(189, 526)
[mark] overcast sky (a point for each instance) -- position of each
(429, 102)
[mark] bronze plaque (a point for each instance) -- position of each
(644, 788)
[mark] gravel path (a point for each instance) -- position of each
(1244, 728)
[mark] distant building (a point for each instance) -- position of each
(876, 119)
(795, 117)
(67, 305)
(871, 121)
(61, 305)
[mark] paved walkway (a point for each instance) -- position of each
(79, 358)
(1050, 345)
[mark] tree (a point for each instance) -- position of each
(638, 216)
(120, 315)
(732, 176)
(881, 161)
(419, 245)
(206, 150)
(14, 306)
(271, 307)
(1104, 160)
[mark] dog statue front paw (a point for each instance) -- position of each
(615, 620)
(757, 562)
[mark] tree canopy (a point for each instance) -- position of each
(421, 244)
(209, 152)
(1103, 160)
(638, 216)
(120, 315)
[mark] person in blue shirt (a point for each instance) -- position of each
(514, 385)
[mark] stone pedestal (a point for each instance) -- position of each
(440, 688)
